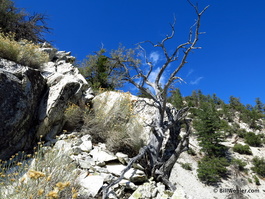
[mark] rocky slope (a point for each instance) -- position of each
(32, 101)
(33, 104)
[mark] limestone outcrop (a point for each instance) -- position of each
(33, 101)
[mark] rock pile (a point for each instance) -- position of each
(98, 168)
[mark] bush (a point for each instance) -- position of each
(191, 152)
(45, 173)
(74, 117)
(186, 166)
(259, 166)
(118, 129)
(242, 149)
(256, 179)
(211, 170)
(24, 52)
(252, 139)
(239, 164)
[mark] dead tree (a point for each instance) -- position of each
(158, 161)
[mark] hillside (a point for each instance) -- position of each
(99, 151)
(66, 131)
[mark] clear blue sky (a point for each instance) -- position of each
(232, 58)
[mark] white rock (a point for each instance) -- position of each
(133, 175)
(63, 146)
(128, 184)
(179, 194)
(91, 184)
(146, 191)
(123, 158)
(102, 156)
(86, 146)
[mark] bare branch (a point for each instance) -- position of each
(159, 161)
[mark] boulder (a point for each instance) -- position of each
(142, 114)
(21, 90)
(33, 101)
(66, 85)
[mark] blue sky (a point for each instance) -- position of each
(232, 58)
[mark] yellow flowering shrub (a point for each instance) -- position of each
(48, 175)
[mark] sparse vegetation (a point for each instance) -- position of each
(256, 180)
(44, 174)
(191, 152)
(259, 166)
(240, 164)
(242, 149)
(252, 139)
(186, 166)
(211, 170)
(118, 129)
(74, 116)
(24, 52)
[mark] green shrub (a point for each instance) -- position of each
(240, 164)
(252, 139)
(242, 149)
(24, 52)
(186, 166)
(259, 166)
(256, 179)
(241, 133)
(211, 170)
(191, 152)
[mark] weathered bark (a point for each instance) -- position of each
(157, 160)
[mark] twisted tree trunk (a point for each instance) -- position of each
(157, 160)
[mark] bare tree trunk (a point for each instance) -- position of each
(158, 161)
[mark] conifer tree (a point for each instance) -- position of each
(23, 25)
(208, 127)
(101, 72)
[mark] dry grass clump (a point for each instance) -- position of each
(74, 116)
(46, 174)
(23, 52)
(119, 128)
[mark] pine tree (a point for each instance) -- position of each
(208, 127)
(101, 72)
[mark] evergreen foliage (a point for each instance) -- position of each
(208, 127)
(23, 25)
(259, 166)
(211, 170)
(101, 72)
(252, 139)
(256, 179)
(240, 164)
(242, 149)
